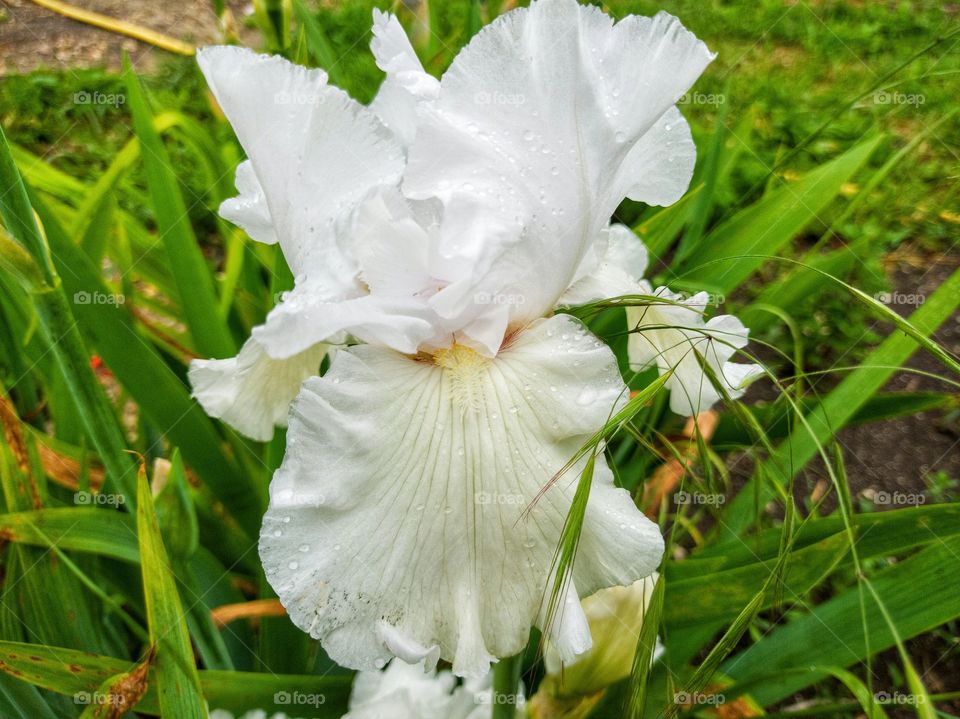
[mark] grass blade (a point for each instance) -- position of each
(194, 283)
(56, 318)
(178, 683)
(646, 645)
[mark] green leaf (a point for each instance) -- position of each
(159, 393)
(660, 229)
(703, 203)
(646, 645)
(19, 699)
(878, 534)
(474, 19)
(318, 44)
(95, 214)
(18, 263)
(832, 632)
(801, 282)
(729, 254)
(176, 513)
(69, 671)
(194, 284)
(178, 683)
(105, 532)
(775, 418)
(60, 329)
(506, 680)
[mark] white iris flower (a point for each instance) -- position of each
(674, 336)
(434, 233)
(413, 691)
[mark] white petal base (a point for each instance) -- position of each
(396, 522)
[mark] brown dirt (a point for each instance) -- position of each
(32, 36)
(898, 455)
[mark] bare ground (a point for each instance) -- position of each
(32, 36)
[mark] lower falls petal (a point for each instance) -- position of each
(403, 519)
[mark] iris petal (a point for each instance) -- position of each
(401, 499)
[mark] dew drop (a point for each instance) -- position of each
(586, 397)
(293, 565)
(304, 548)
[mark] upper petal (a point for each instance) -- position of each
(407, 83)
(545, 122)
(249, 209)
(401, 498)
(619, 271)
(307, 316)
(314, 151)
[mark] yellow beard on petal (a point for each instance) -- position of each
(466, 369)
